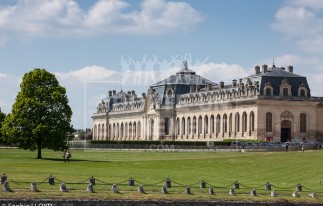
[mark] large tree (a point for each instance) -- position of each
(40, 117)
(2, 117)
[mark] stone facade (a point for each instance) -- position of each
(273, 104)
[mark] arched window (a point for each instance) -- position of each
(130, 130)
(302, 122)
(114, 131)
(218, 124)
(177, 127)
(230, 123)
(206, 124)
(183, 126)
(212, 124)
(126, 130)
(99, 131)
(167, 126)
(139, 130)
(225, 123)
(302, 92)
(194, 125)
(252, 121)
(244, 122)
(237, 122)
(269, 122)
(189, 127)
(200, 125)
(118, 131)
(134, 130)
(109, 137)
(121, 131)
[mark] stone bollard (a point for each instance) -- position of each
(62, 187)
(268, 186)
(295, 194)
(253, 192)
(273, 193)
(211, 191)
(33, 187)
(313, 195)
(114, 188)
(92, 180)
(3, 178)
(203, 184)
(188, 190)
(164, 189)
(236, 185)
(168, 183)
(90, 188)
(232, 192)
(141, 189)
(299, 187)
(51, 180)
(6, 186)
(131, 182)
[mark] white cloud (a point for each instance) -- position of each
(89, 73)
(43, 18)
(301, 22)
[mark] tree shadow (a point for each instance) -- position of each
(73, 160)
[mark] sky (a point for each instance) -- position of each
(93, 46)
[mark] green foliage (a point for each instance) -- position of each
(40, 116)
(2, 117)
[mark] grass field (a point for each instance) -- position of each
(284, 170)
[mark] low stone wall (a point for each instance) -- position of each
(23, 202)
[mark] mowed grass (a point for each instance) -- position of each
(284, 170)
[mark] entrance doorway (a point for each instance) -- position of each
(286, 131)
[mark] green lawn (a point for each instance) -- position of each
(252, 170)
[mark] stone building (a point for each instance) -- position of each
(273, 104)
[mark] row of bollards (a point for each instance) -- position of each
(131, 182)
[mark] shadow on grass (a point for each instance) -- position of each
(73, 160)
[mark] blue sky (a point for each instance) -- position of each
(94, 46)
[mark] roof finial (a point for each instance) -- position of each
(274, 62)
(121, 88)
(185, 65)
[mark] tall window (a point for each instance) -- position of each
(194, 125)
(134, 130)
(183, 126)
(237, 122)
(200, 125)
(177, 127)
(302, 121)
(244, 121)
(212, 124)
(206, 125)
(218, 124)
(252, 121)
(167, 125)
(225, 123)
(285, 92)
(230, 122)
(139, 129)
(302, 93)
(189, 125)
(269, 122)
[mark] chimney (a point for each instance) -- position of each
(290, 68)
(240, 81)
(110, 93)
(264, 68)
(133, 93)
(234, 83)
(257, 69)
(114, 92)
(222, 84)
(282, 68)
(129, 92)
(143, 95)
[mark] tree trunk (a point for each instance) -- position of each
(39, 153)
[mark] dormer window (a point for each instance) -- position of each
(285, 88)
(302, 90)
(268, 89)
